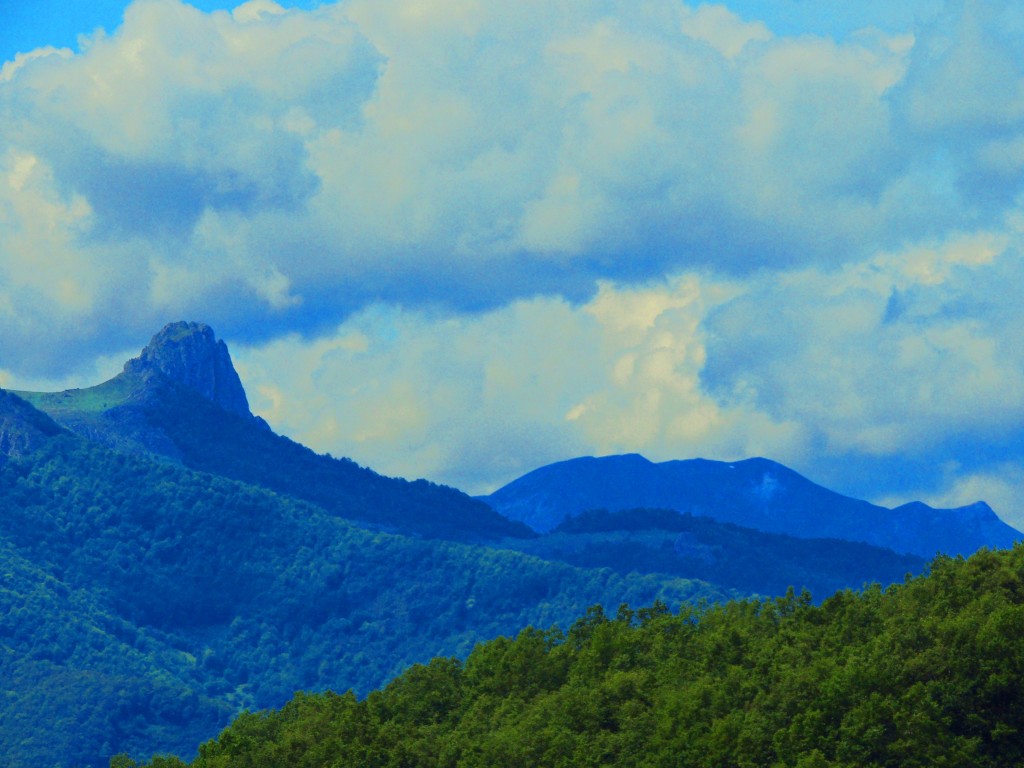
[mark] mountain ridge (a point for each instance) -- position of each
(757, 493)
(240, 565)
(182, 400)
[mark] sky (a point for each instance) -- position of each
(459, 239)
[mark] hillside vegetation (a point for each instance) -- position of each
(145, 413)
(144, 603)
(925, 673)
(750, 561)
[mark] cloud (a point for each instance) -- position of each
(557, 228)
(10, 68)
(899, 368)
(287, 168)
(724, 30)
(883, 358)
(962, 101)
(477, 400)
(896, 379)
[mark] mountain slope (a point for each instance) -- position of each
(77, 679)
(144, 602)
(926, 673)
(23, 429)
(750, 561)
(181, 399)
(755, 493)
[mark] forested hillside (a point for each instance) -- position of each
(750, 561)
(143, 602)
(925, 673)
(144, 412)
(169, 561)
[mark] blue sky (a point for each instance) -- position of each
(49, 22)
(462, 238)
(59, 23)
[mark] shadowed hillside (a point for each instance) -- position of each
(181, 399)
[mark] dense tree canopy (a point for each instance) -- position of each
(929, 672)
(144, 603)
(750, 561)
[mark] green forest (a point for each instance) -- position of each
(749, 561)
(928, 672)
(143, 603)
(168, 565)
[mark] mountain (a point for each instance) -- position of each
(182, 400)
(926, 673)
(23, 429)
(169, 560)
(750, 561)
(191, 355)
(755, 493)
(144, 603)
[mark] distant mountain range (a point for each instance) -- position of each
(168, 559)
(756, 493)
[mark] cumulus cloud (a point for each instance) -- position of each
(289, 167)
(20, 60)
(558, 228)
(884, 357)
(896, 379)
(476, 400)
(906, 369)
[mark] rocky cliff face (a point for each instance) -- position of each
(190, 355)
(23, 429)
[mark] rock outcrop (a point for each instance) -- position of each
(23, 429)
(190, 355)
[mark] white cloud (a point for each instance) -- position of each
(723, 29)
(465, 152)
(556, 227)
(255, 10)
(476, 400)
(21, 60)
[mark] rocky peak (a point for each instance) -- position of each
(192, 356)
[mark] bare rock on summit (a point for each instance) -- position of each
(190, 355)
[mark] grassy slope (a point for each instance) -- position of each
(97, 399)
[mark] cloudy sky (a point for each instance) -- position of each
(463, 238)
